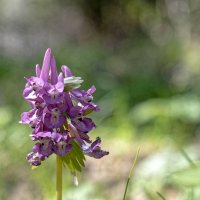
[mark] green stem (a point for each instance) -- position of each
(58, 178)
(131, 172)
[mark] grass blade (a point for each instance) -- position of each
(160, 195)
(131, 172)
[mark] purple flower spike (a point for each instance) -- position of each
(58, 114)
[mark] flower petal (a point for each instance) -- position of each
(54, 73)
(46, 65)
(38, 70)
(66, 71)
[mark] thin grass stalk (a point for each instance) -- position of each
(131, 172)
(58, 178)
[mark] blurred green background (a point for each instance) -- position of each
(143, 56)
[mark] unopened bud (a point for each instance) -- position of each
(72, 83)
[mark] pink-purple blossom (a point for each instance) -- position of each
(58, 113)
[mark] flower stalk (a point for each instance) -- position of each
(58, 178)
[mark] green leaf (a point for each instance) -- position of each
(75, 163)
(74, 160)
(79, 154)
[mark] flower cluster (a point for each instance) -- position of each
(59, 113)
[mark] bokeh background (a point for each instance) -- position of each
(143, 56)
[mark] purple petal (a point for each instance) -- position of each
(53, 95)
(54, 119)
(98, 153)
(91, 90)
(66, 71)
(84, 125)
(77, 93)
(33, 87)
(89, 107)
(54, 73)
(94, 150)
(74, 111)
(29, 93)
(43, 134)
(62, 148)
(44, 147)
(38, 70)
(39, 104)
(30, 118)
(85, 137)
(46, 65)
(75, 134)
(68, 100)
(34, 158)
(60, 78)
(96, 143)
(59, 86)
(25, 118)
(56, 137)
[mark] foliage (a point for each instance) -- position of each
(75, 159)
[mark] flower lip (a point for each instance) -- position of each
(62, 148)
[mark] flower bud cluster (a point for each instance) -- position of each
(59, 112)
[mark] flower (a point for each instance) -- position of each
(59, 114)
